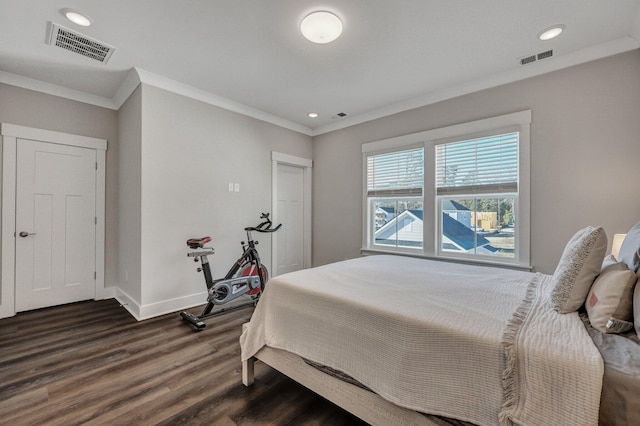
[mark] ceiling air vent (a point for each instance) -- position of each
(527, 60)
(79, 43)
(339, 115)
(537, 57)
(543, 55)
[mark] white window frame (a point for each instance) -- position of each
(371, 229)
(401, 195)
(368, 229)
(518, 121)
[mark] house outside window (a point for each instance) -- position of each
(459, 192)
(394, 193)
(403, 227)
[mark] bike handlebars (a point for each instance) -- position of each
(264, 226)
(268, 229)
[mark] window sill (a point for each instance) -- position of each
(478, 262)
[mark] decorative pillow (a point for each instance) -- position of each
(630, 248)
(636, 309)
(610, 301)
(580, 263)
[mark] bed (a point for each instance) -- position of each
(620, 397)
(414, 341)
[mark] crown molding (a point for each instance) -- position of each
(168, 84)
(134, 78)
(55, 90)
(555, 63)
(127, 87)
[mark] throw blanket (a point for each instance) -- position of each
(475, 343)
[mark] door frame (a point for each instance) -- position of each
(305, 164)
(11, 134)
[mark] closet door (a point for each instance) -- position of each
(290, 242)
(55, 224)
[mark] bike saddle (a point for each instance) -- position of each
(195, 243)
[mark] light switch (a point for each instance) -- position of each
(236, 187)
(230, 186)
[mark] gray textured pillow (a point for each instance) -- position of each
(630, 248)
(579, 265)
(610, 300)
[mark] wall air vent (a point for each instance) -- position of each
(80, 44)
(537, 57)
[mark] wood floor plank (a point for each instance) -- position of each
(23, 402)
(184, 398)
(92, 363)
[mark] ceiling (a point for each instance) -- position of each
(249, 55)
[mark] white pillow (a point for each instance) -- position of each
(610, 300)
(579, 265)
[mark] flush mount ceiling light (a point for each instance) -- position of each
(312, 115)
(551, 32)
(76, 17)
(321, 27)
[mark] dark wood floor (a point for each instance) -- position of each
(92, 363)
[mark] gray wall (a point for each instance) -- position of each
(585, 146)
(34, 109)
(174, 186)
(129, 195)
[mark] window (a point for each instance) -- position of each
(394, 192)
(477, 190)
(456, 192)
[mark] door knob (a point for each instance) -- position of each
(26, 234)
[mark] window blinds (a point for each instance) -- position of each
(478, 166)
(399, 173)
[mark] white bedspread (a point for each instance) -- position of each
(438, 337)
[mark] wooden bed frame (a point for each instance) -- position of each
(362, 403)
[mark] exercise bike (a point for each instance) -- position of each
(247, 277)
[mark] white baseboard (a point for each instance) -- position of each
(128, 303)
(138, 311)
(6, 311)
(151, 310)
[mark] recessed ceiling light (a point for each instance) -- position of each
(321, 27)
(76, 17)
(551, 32)
(313, 115)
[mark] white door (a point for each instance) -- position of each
(290, 193)
(55, 224)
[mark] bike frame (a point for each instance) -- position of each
(249, 258)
